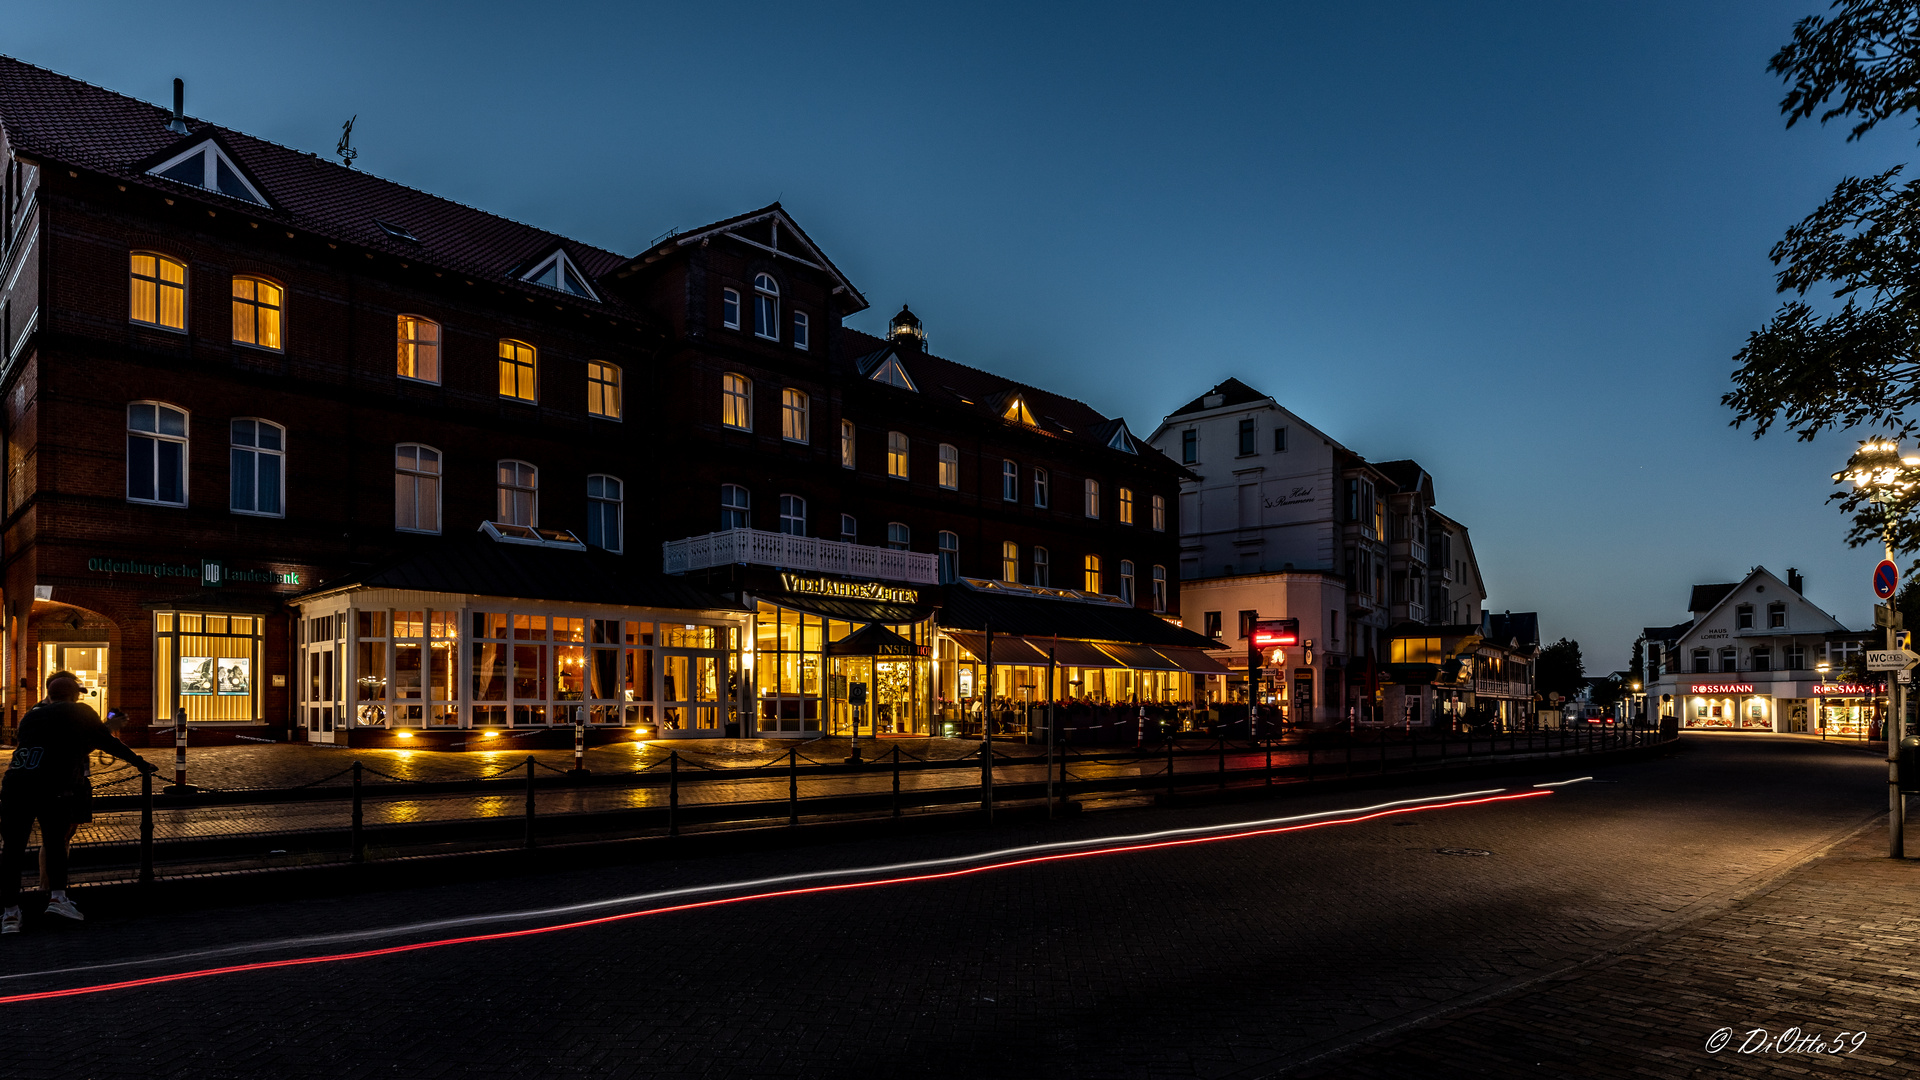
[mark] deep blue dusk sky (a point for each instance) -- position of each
(1518, 242)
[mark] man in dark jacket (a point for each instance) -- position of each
(47, 782)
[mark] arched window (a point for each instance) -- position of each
(793, 515)
(846, 444)
(519, 370)
(849, 529)
(899, 537)
(736, 401)
(1159, 513)
(1126, 506)
(766, 307)
(1009, 481)
(258, 467)
(1040, 488)
(1042, 571)
(734, 506)
(416, 488)
(419, 348)
(1126, 580)
(1009, 561)
(159, 290)
(800, 330)
(603, 389)
(604, 505)
(1159, 588)
(793, 415)
(156, 454)
(949, 466)
(897, 454)
(518, 488)
(257, 310)
(949, 557)
(1092, 582)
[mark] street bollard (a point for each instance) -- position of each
(530, 808)
(673, 793)
(579, 747)
(896, 781)
(359, 845)
(146, 828)
(179, 754)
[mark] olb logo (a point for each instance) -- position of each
(213, 573)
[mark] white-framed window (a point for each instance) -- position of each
(735, 503)
(156, 454)
(846, 444)
(1093, 499)
(1190, 447)
(1009, 561)
(1159, 588)
(418, 347)
(949, 466)
(1126, 506)
(801, 328)
(1040, 492)
(736, 401)
(949, 557)
(257, 467)
(1092, 580)
(159, 290)
(897, 454)
(257, 312)
(1776, 616)
(603, 389)
(1279, 440)
(793, 415)
(793, 515)
(899, 537)
(849, 529)
(1009, 480)
(416, 488)
(519, 370)
(1042, 568)
(766, 307)
(518, 490)
(730, 308)
(605, 503)
(1126, 580)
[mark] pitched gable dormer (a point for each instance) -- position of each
(885, 367)
(206, 164)
(557, 272)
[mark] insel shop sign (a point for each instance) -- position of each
(851, 590)
(212, 573)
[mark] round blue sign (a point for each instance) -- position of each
(1886, 578)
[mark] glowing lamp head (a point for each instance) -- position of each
(1878, 467)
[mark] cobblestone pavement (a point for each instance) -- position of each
(1217, 960)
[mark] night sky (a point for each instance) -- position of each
(1518, 242)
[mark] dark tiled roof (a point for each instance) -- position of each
(1233, 390)
(1705, 596)
(1035, 617)
(51, 116)
(482, 566)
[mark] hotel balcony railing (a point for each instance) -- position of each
(756, 547)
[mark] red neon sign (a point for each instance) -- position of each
(1276, 633)
(1723, 688)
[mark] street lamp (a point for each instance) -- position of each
(1879, 471)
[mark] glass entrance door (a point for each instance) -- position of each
(89, 664)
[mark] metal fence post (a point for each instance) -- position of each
(673, 793)
(359, 837)
(793, 786)
(530, 810)
(146, 827)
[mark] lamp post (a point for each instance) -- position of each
(1878, 470)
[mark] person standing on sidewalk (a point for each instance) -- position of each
(47, 782)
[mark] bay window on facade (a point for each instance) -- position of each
(159, 291)
(156, 454)
(416, 488)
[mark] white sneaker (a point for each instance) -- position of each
(10, 921)
(64, 907)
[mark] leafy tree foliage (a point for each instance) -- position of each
(1560, 669)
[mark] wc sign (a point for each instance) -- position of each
(213, 573)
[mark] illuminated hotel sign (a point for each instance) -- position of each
(1723, 688)
(849, 590)
(1847, 690)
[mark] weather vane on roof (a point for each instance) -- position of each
(347, 153)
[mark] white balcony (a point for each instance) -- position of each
(756, 547)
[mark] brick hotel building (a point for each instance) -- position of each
(311, 454)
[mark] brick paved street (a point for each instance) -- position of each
(1218, 960)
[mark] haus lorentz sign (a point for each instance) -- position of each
(212, 573)
(849, 590)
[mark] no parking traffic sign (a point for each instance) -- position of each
(1886, 578)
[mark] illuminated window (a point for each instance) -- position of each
(800, 329)
(1042, 571)
(736, 401)
(1126, 580)
(899, 537)
(949, 466)
(1159, 513)
(518, 488)
(1159, 588)
(419, 348)
(793, 515)
(604, 511)
(897, 454)
(1126, 506)
(603, 389)
(519, 365)
(1040, 488)
(730, 309)
(1017, 412)
(949, 558)
(256, 312)
(846, 444)
(159, 291)
(766, 307)
(1092, 582)
(793, 415)
(156, 454)
(1009, 481)
(734, 504)
(1093, 499)
(257, 467)
(1009, 561)
(416, 488)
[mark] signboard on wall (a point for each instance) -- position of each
(198, 675)
(233, 675)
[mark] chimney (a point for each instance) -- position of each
(178, 125)
(1795, 581)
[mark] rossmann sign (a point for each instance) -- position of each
(1722, 688)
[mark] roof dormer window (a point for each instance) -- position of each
(558, 273)
(207, 166)
(398, 232)
(1121, 441)
(893, 374)
(1017, 412)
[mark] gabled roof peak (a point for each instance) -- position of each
(205, 164)
(558, 272)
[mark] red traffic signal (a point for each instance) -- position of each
(1276, 633)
